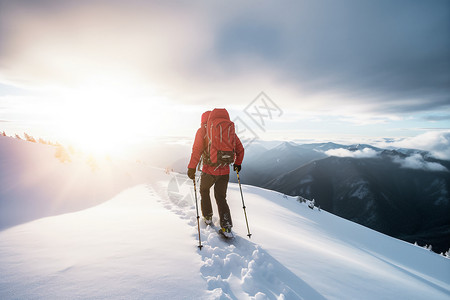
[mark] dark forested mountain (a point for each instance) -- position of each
(263, 166)
(402, 193)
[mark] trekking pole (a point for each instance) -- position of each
(198, 217)
(243, 205)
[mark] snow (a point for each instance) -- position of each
(307, 179)
(115, 250)
(34, 183)
(362, 189)
(142, 244)
(442, 191)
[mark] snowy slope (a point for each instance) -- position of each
(35, 183)
(117, 250)
(142, 244)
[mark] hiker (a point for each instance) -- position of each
(217, 152)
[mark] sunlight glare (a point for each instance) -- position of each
(104, 120)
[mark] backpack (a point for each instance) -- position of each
(220, 139)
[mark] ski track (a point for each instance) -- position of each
(236, 269)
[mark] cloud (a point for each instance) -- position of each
(341, 152)
(436, 142)
(378, 57)
(434, 118)
(394, 57)
(417, 162)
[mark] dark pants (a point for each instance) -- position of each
(220, 183)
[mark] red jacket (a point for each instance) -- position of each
(200, 146)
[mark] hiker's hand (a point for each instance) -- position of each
(236, 167)
(191, 173)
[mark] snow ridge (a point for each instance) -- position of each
(236, 269)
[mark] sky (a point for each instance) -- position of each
(103, 73)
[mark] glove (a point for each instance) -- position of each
(191, 173)
(236, 167)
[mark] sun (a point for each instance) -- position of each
(93, 126)
(99, 120)
(109, 113)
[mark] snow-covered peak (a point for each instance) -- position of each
(286, 146)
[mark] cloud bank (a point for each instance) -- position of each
(341, 152)
(436, 142)
(417, 162)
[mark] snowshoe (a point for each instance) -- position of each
(226, 232)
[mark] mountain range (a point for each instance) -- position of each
(404, 193)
